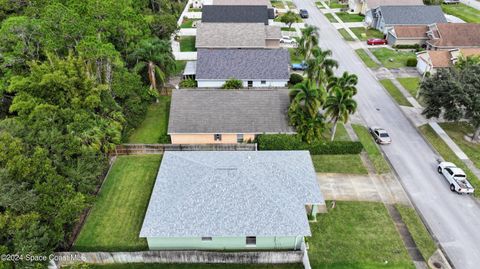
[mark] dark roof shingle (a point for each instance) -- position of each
(235, 14)
(412, 15)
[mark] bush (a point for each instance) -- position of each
(293, 142)
(233, 84)
(188, 83)
(412, 62)
(295, 79)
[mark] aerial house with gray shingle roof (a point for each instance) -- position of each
(236, 14)
(232, 200)
(227, 116)
(254, 67)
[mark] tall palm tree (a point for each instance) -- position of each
(307, 97)
(154, 57)
(339, 105)
(308, 41)
(320, 67)
(347, 82)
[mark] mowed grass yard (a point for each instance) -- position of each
(116, 218)
(365, 33)
(366, 59)
(153, 129)
(374, 154)
(187, 43)
(395, 92)
(347, 17)
(464, 12)
(358, 235)
(391, 58)
(458, 131)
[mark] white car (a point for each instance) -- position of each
(288, 40)
(455, 177)
(380, 135)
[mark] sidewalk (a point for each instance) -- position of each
(340, 23)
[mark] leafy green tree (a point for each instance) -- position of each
(232, 83)
(320, 66)
(289, 18)
(163, 25)
(308, 41)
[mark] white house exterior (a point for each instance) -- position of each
(247, 83)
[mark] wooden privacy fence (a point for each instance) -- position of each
(130, 149)
(61, 259)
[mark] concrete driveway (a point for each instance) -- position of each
(453, 219)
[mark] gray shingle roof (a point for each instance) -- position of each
(229, 111)
(238, 14)
(412, 15)
(243, 2)
(232, 193)
(235, 35)
(263, 64)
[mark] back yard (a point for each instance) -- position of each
(116, 218)
(154, 127)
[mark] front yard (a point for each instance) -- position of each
(347, 17)
(411, 84)
(464, 12)
(392, 58)
(343, 164)
(116, 218)
(188, 23)
(153, 129)
(187, 43)
(374, 154)
(365, 33)
(358, 235)
(345, 34)
(457, 131)
(366, 59)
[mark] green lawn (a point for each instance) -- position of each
(116, 218)
(365, 33)
(347, 164)
(410, 84)
(187, 43)
(448, 155)
(419, 232)
(358, 235)
(379, 163)
(335, 4)
(290, 4)
(331, 18)
(196, 266)
(391, 58)
(395, 92)
(294, 58)
(345, 34)
(194, 9)
(278, 4)
(153, 129)
(457, 131)
(180, 67)
(366, 59)
(187, 23)
(347, 17)
(286, 29)
(464, 12)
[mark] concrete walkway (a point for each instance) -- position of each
(472, 3)
(340, 22)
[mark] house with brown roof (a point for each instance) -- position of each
(432, 60)
(407, 35)
(447, 36)
(362, 6)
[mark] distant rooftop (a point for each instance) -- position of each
(377, 3)
(235, 14)
(412, 15)
(232, 193)
(455, 35)
(243, 2)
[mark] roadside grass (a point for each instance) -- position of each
(366, 59)
(379, 163)
(449, 155)
(345, 34)
(391, 58)
(340, 135)
(357, 235)
(290, 4)
(411, 84)
(278, 4)
(417, 229)
(117, 215)
(336, 4)
(457, 131)
(286, 29)
(187, 23)
(294, 58)
(464, 12)
(330, 17)
(154, 127)
(179, 66)
(319, 5)
(365, 33)
(395, 92)
(193, 266)
(344, 164)
(187, 43)
(347, 17)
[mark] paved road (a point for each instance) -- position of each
(473, 3)
(454, 219)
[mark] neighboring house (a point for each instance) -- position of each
(407, 35)
(384, 18)
(232, 200)
(430, 61)
(237, 35)
(236, 14)
(267, 3)
(362, 6)
(227, 116)
(444, 36)
(254, 67)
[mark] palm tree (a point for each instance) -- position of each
(307, 97)
(154, 57)
(347, 82)
(308, 41)
(339, 105)
(320, 66)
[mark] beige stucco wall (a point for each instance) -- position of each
(408, 42)
(207, 138)
(272, 43)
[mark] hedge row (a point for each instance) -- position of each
(292, 142)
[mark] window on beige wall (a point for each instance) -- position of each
(217, 137)
(239, 138)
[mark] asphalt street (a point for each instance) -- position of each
(454, 219)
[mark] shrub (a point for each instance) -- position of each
(233, 84)
(295, 78)
(412, 62)
(293, 142)
(188, 83)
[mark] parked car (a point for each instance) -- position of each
(299, 67)
(376, 41)
(303, 13)
(451, 1)
(380, 135)
(455, 177)
(288, 40)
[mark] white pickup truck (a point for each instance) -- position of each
(455, 177)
